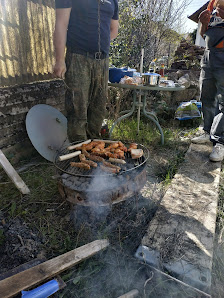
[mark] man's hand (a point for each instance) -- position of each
(204, 17)
(59, 69)
(60, 36)
(220, 11)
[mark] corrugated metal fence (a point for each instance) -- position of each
(26, 40)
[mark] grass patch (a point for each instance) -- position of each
(148, 133)
(127, 130)
(44, 211)
(172, 167)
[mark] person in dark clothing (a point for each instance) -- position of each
(212, 80)
(85, 28)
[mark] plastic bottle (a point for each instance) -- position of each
(152, 67)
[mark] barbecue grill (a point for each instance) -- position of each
(95, 187)
(131, 164)
(47, 130)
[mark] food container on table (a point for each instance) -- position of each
(150, 79)
(167, 83)
(116, 74)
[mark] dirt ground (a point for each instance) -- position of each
(47, 226)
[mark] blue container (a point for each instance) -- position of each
(116, 74)
(42, 291)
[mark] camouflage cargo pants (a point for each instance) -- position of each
(86, 95)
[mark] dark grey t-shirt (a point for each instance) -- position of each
(83, 24)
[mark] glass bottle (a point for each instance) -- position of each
(161, 72)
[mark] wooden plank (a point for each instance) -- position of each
(13, 175)
(10, 286)
(21, 268)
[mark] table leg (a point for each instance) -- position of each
(153, 118)
(124, 112)
(139, 110)
(124, 116)
(152, 115)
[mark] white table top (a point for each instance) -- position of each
(146, 88)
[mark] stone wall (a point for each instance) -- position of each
(187, 56)
(15, 102)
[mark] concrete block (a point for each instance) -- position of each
(180, 236)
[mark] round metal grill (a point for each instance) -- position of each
(131, 164)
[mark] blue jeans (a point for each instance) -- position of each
(212, 94)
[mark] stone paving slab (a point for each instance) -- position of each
(180, 236)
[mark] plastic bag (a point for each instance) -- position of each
(188, 110)
(131, 80)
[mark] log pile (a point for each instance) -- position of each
(187, 56)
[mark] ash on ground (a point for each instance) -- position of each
(19, 244)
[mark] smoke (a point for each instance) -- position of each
(100, 192)
(105, 182)
(114, 272)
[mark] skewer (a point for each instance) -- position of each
(105, 141)
(78, 145)
(117, 160)
(68, 156)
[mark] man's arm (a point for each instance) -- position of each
(114, 29)
(60, 37)
(204, 18)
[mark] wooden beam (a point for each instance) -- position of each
(11, 286)
(22, 267)
(13, 175)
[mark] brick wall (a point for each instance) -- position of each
(15, 102)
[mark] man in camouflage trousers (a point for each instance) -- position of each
(85, 100)
(86, 28)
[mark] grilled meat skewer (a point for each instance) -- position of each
(80, 165)
(88, 162)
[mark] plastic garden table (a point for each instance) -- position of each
(141, 103)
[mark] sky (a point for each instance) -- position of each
(193, 6)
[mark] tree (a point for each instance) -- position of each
(147, 24)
